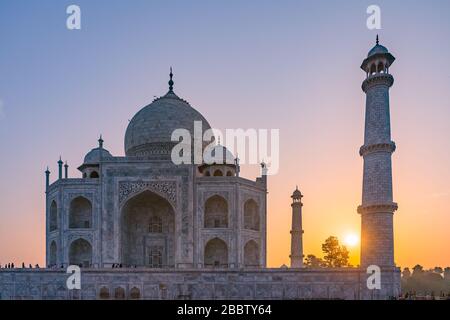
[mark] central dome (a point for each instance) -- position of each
(149, 132)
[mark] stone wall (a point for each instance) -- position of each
(346, 284)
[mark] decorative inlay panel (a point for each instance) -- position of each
(168, 189)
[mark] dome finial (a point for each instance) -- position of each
(100, 142)
(377, 40)
(171, 81)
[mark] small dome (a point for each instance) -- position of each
(150, 130)
(296, 194)
(93, 156)
(377, 49)
(219, 150)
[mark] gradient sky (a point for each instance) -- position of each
(291, 65)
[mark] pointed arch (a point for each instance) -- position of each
(135, 293)
(80, 213)
(148, 231)
(94, 175)
(53, 254)
(53, 225)
(251, 215)
(104, 293)
(373, 69)
(380, 67)
(216, 212)
(251, 254)
(119, 293)
(80, 253)
(216, 254)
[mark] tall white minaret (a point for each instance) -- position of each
(377, 208)
(297, 231)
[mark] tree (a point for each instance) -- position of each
(417, 270)
(447, 273)
(335, 256)
(313, 262)
(406, 273)
(438, 270)
(342, 259)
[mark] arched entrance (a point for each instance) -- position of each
(251, 254)
(216, 254)
(148, 231)
(80, 253)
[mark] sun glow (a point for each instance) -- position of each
(351, 240)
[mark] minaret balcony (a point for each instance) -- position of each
(377, 79)
(377, 208)
(379, 147)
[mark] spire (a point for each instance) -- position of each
(60, 165)
(66, 170)
(100, 142)
(377, 40)
(171, 81)
(47, 179)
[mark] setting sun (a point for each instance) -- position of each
(351, 240)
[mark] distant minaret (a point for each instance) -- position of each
(296, 232)
(377, 208)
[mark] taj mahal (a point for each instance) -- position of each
(140, 226)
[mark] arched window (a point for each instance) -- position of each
(104, 293)
(155, 257)
(119, 293)
(216, 212)
(218, 173)
(373, 69)
(251, 254)
(155, 224)
(229, 174)
(80, 215)
(216, 254)
(94, 175)
(53, 216)
(53, 252)
(80, 253)
(380, 67)
(251, 215)
(135, 293)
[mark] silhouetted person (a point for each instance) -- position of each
(23, 265)
(12, 265)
